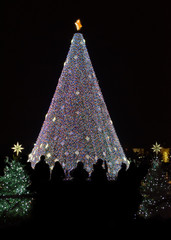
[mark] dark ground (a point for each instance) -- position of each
(86, 208)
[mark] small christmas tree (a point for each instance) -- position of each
(155, 190)
(14, 186)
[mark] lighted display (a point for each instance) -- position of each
(156, 148)
(155, 190)
(77, 126)
(78, 24)
(17, 148)
(13, 186)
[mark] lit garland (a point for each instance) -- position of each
(78, 125)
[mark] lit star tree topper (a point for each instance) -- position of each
(17, 148)
(78, 24)
(156, 148)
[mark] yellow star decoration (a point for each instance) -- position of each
(17, 148)
(78, 24)
(156, 148)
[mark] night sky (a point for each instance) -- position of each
(129, 46)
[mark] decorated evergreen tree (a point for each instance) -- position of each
(14, 189)
(156, 192)
(77, 126)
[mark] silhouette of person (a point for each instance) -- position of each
(79, 174)
(129, 188)
(41, 174)
(57, 173)
(99, 174)
(121, 178)
(30, 172)
(41, 186)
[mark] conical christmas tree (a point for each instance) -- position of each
(78, 126)
(13, 185)
(156, 191)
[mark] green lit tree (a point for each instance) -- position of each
(155, 190)
(14, 193)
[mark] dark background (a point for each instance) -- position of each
(129, 45)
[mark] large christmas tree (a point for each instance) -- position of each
(77, 125)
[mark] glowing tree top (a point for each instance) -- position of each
(77, 126)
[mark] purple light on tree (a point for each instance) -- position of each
(77, 126)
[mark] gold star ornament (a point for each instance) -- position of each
(78, 25)
(156, 148)
(17, 148)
